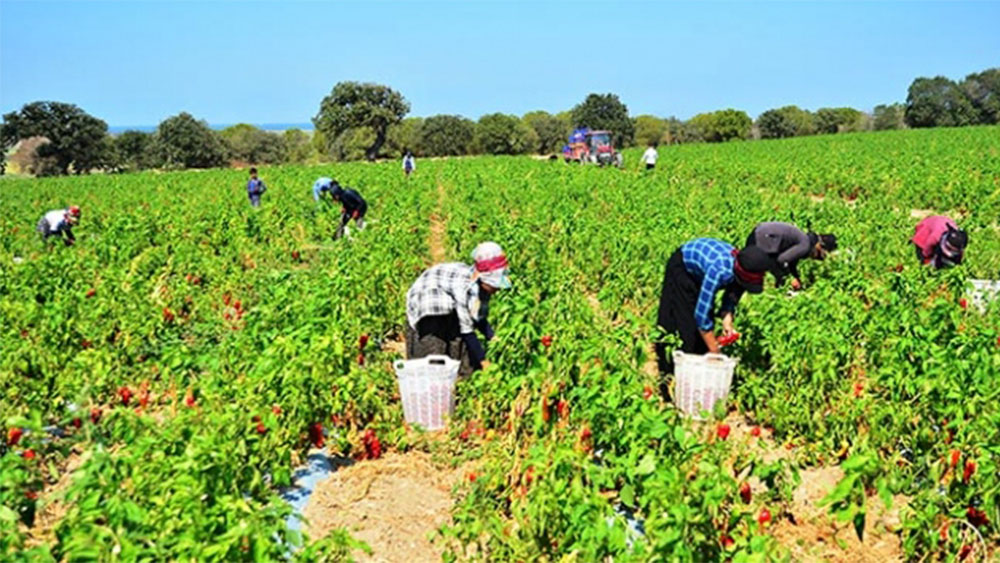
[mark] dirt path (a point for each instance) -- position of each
(394, 504)
(436, 237)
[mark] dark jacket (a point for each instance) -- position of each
(351, 200)
(785, 243)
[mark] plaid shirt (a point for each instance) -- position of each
(443, 289)
(711, 261)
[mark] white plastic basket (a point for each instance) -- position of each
(982, 292)
(427, 389)
(700, 381)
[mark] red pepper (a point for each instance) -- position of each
(546, 341)
(970, 470)
(28, 454)
(955, 456)
(362, 341)
(727, 340)
(14, 436)
(755, 431)
(745, 493)
(764, 517)
(722, 431)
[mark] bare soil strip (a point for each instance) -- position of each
(435, 240)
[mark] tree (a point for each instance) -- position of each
(254, 145)
(889, 117)
(443, 135)
(983, 90)
(352, 144)
(722, 125)
(649, 130)
(498, 133)
(131, 148)
(352, 104)
(838, 120)
(297, 146)
(404, 136)
(75, 138)
(551, 131)
(605, 112)
(938, 102)
(182, 141)
(681, 131)
(787, 121)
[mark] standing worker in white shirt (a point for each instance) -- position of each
(649, 157)
(409, 163)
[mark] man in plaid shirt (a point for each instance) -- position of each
(695, 273)
(448, 302)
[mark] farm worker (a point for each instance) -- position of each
(787, 245)
(649, 157)
(694, 274)
(255, 188)
(354, 207)
(448, 302)
(321, 185)
(409, 163)
(59, 222)
(939, 241)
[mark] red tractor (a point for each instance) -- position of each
(593, 147)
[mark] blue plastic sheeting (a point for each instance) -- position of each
(319, 466)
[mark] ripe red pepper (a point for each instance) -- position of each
(295, 254)
(14, 436)
(77, 423)
(189, 400)
(167, 315)
(545, 409)
(963, 303)
(726, 541)
(31, 495)
(964, 551)
(722, 431)
(764, 517)
(727, 340)
(755, 431)
(970, 470)
(955, 456)
(859, 389)
(361, 359)
(95, 415)
(85, 344)
(28, 454)
(647, 392)
(585, 433)
(261, 429)
(373, 448)
(977, 517)
(472, 477)
(276, 409)
(316, 434)
(91, 292)
(126, 395)
(362, 341)
(546, 341)
(562, 407)
(745, 493)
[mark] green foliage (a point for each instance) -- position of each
(404, 136)
(938, 102)
(679, 131)
(182, 141)
(76, 139)
(839, 120)
(723, 125)
(446, 135)
(253, 145)
(354, 105)
(650, 130)
(550, 130)
(498, 133)
(788, 121)
(131, 150)
(889, 116)
(983, 90)
(298, 146)
(605, 111)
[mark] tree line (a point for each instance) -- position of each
(368, 121)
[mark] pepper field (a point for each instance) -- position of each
(162, 378)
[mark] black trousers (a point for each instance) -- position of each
(438, 334)
(678, 299)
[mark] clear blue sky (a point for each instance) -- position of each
(135, 63)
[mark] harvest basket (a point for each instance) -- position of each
(427, 389)
(700, 381)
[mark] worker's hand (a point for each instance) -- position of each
(727, 325)
(485, 364)
(354, 215)
(796, 284)
(710, 341)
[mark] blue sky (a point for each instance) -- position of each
(135, 63)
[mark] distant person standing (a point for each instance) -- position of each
(409, 163)
(939, 242)
(59, 222)
(321, 185)
(649, 157)
(255, 188)
(354, 207)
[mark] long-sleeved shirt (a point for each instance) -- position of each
(351, 200)
(256, 187)
(711, 261)
(785, 242)
(450, 288)
(409, 163)
(321, 185)
(650, 156)
(57, 223)
(928, 234)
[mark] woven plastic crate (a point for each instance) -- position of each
(700, 381)
(427, 390)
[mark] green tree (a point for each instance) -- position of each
(353, 104)
(723, 125)
(254, 145)
(131, 148)
(444, 135)
(787, 121)
(983, 90)
(838, 120)
(605, 112)
(297, 146)
(352, 144)
(679, 131)
(650, 129)
(75, 138)
(182, 141)
(499, 133)
(938, 102)
(888, 116)
(551, 131)
(404, 136)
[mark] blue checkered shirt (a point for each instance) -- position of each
(711, 261)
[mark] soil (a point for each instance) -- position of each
(921, 213)
(394, 504)
(435, 239)
(51, 508)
